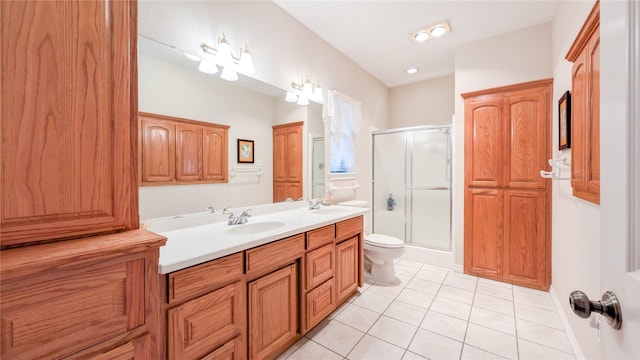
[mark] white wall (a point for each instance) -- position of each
(512, 58)
(172, 90)
(576, 223)
(283, 51)
(429, 102)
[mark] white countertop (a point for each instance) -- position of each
(188, 246)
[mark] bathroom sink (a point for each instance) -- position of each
(329, 211)
(253, 228)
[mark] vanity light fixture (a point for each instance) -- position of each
(304, 91)
(431, 32)
(223, 56)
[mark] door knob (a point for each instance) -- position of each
(609, 307)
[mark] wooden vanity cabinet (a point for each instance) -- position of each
(287, 161)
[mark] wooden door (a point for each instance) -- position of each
(67, 119)
(273, 312)
(294, 153)
(579, 101)
(525, 240)
(188, 152)
(279, 155)
(347, 266)
(214, 154)
(483, 233)
(483, 144)
(287, 161)
(593, 140)
(158, 150)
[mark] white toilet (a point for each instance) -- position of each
(380, 251)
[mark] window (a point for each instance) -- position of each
(342, 119)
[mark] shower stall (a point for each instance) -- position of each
(412, 188)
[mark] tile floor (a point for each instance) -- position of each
(435, 313)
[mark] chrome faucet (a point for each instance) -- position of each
(211, 210)
(316, 204)
(242, 219)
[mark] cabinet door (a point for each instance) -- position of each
(233, 350)
(294, 191)
(279, 155)
(214, 154)
(347, 266)
(525, 248)
(320, 266)
(526, 137)
(200, 325)
(158, 150)
(593, 140)
(188, 152)
(294, 153)
(483, 142)
(483, 232)
(579, 112)
(68, 101)
(320, 302)
(273, 312)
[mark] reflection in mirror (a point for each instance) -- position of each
(170, 84)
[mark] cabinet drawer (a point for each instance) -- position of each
(273, 255)
(200, 325)
(348, 228)
(319, 237)
(232, 350)
(199, 279)
(65, 311)
(320, 302)
(320, 265)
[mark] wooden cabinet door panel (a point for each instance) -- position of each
(293, 153)
(90, 305)
(347, 267)
(214, 154)
(320, 302)
(525, 246)
(273, 312)
(578, 111)
(483, 149)
(321, 236)
(67, 104)
(593, 141)
(188, 152)
(279, 155)
(200, 325)
(158, 150)
(483, 233)
(320, 266)
(348, 228)
(294, 191)
(232, 350)
(268, 257)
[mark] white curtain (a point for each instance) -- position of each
(343, 116)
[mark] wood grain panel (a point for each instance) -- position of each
(294, 152)
(578, 111)
(232, 350)
(483, 152)
(322, 236)
(67, 83)
(320, 266)
(483, 233)
(279, 160)
(348, 267)
(123, 352)
(273, 313)
(158, 150)
(320, 302)
(348, 228)
(215, 154)
(197, 327)
(287, 161)
(188, 152)
(525, 238)
(593, 141)
(205, 277)
(271, 256)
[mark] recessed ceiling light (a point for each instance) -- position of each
(431, 32)
(421, 36)
(412, 70)
(438, 30)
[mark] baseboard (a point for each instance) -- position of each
(577, 352)
(458, 268)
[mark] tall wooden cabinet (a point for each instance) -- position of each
(287, 161)
(585, 109)
(507, 202)
(78, 279)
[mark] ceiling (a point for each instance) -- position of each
(376, 35)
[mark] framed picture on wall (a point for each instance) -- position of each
(564, 121)
(245, 151)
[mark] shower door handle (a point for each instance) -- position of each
(427, 188)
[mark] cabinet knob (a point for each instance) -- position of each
(609, 307)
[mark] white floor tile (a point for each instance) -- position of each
(492, 341)
(358, 317)
(370, 348)
(434, 346)
(494, 282)
(543, 335)
(292, 348)
(495, 290)
(472, 353)
(410, 263)
(406, 270)
(336, 336)
(539, 316)
(394, 331)
(416, 298)
(522, 289)
(431, 275)
(540, 300)
(493, 320)
(461, 281)
(423, 286)
(452, 308)
(337, 311)
(457, 294)
(445, 325)
(313, 351)
(372, 301)
(412, 356)
(390, 291)
(531, 351)
(494, 304)
(408, 313)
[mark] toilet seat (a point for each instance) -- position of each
(383, 241)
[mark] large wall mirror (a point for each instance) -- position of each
(170, 84)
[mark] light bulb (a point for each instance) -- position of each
(317, 94)
(246, 62)
(411, 70)
(421, 36)
(291, 97)
(438, 30)
(307, 89)
(229, 73)
(302, 100)
(208, 66)
(223, 54)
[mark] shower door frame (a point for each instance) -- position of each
(408, 190)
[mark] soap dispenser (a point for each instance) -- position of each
(390, 203)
